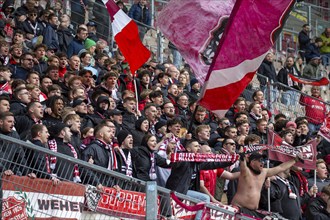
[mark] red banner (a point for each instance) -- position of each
(192, 157)
(128, 204)
(26, 198)
(282, 151)
(314, 82)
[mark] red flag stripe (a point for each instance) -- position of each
(127, 36)
(237, 51)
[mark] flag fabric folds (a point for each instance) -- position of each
(251, 31)
(325, 128)
(126, 34)
(282, 151)
(314, 82)
(195, 28)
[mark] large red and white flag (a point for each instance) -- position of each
(126, 34)
(325, 128)
(195, 28)
(251, 31)
(281, 151)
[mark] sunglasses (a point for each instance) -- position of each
(232, 144)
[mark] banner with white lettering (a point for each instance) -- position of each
(26, 198)
(282, 151)
(192, 157)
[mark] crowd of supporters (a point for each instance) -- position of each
(61, 90)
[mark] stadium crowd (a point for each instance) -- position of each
(61, 90)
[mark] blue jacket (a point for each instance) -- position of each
(136, 13)
(51, 37)
(75, 47)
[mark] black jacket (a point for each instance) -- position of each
(181, 180)
(97, 150)
(23, 126)
(12, 156)
(37, 160)
(17, 107)
(64, 168)
(142, 163)
(317, 210)
(266, 69)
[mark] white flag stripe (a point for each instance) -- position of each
(120, 20)
(233, 74)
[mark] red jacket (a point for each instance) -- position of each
(315, 109)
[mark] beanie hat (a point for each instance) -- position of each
(121, 136)
(193, 82)
(160, 124)
(89, 43)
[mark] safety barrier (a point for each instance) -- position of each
(280, 98)
(25, 197)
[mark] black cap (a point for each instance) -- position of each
(55, 129)
(91, 23)
(121, 136)
(115, 112)
(257, 156)
(77, 102)
(160, 124)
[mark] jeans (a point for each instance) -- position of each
(313, 127)
(200, 196)
(289, 97)
(325, 59)
(177, 58)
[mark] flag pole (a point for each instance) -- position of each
(314, 181)
(193, 117)
(268, 190)
(136, 95)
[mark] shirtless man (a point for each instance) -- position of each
(251, 180)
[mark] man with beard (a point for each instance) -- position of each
(11, 152)
(24, 123)
(102, 153)
(21, 97)
(60, 143)
(251, 180)
(50, 33)
(56, 105)
(26, 65)
(168, 111)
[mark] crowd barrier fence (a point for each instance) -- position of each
(24, 197)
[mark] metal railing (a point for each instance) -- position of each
(280, 98)
(42, 193)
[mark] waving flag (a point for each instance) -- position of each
(282, 151)
(126, 34)
(251, 31)
(325, 128)
(314, 82)
(197, 41)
